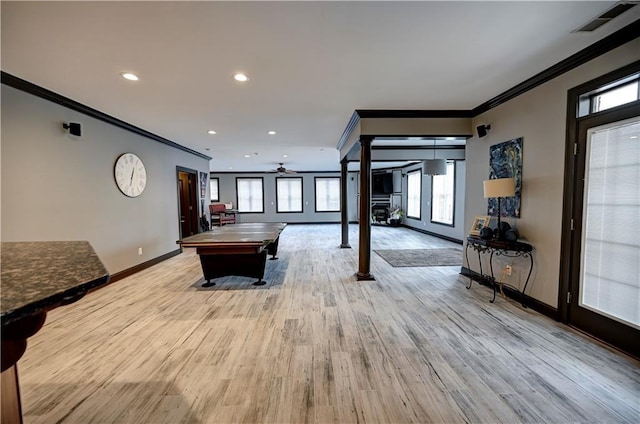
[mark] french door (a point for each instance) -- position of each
(604, 286)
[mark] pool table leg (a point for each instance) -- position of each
(208, 284)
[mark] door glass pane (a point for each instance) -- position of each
(610, 263)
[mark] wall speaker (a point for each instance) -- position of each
(73, 127)
(483, 130)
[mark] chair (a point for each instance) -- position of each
(220, 215)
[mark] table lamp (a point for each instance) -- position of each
(499, 188)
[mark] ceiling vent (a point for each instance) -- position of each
(607, 16)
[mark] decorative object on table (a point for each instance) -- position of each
(434, 166)
(486, 233)
(130, 175)
(499, 188)
(203, 184)
(505, 161)
(395, 214)
(399, 258)
(512, 234)
(479, 223)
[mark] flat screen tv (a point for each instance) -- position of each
(382, 183)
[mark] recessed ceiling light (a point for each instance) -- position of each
(240, 77)
(271, 133)
(129, 76)
(284, 156)
(231, 167)
(450, 138)
(247, 156)
(212, 132)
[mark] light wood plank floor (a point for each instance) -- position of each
(315, 345)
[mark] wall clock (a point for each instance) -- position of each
(130, 175)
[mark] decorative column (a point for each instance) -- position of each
(364, 264)
(344, 216)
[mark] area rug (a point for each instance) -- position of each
(421, 257)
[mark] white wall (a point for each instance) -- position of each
(227, 187)
(59, 187)
(539, 116)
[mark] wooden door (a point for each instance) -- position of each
(188, 208)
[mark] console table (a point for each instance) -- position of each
(511, 249)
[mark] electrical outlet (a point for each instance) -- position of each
(139, 251)
(507, 269)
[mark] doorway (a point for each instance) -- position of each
(187, 201)
(601, 236)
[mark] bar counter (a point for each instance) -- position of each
(37, 277)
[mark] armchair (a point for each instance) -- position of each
(220, 215)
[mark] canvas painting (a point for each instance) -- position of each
(203, 184)
(505, 161)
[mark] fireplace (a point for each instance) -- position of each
(380, 212)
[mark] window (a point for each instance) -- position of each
(214, 183)
(443, 195)
(289, 194)
(618, 93)
(327, 194)
(250, 195)
(414, 193)
(615, 97)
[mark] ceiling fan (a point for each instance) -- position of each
(281, 170)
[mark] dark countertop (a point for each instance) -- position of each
(41, 275)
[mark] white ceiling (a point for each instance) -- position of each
(310, 64)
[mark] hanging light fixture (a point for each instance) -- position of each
(434, 166)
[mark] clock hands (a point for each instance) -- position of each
(133, 170)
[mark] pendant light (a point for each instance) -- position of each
(434, 166)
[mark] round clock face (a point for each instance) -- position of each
(130, 175)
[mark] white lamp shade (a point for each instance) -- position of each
(500, 187)
(434, 167)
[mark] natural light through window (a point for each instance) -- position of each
(327, 194)
(414, 189)
(289, 194)
(250, 195)
(616, 97)
(442, 196)
(213, 189)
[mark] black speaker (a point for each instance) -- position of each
(511, 235)
(73, 127)
(482, 130)
(486, 233)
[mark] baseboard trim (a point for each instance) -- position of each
(148, 264)
(440, 236)
(531, 302)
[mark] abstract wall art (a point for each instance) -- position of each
(505, 161)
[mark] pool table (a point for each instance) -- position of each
(236, 249)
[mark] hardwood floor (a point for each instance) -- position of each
(315, 345)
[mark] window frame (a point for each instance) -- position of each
(419, 172)
(237, 193)
(211, 199)
(453, 217)
(301, 195)
(315, 194)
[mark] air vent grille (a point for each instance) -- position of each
(607, 16)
